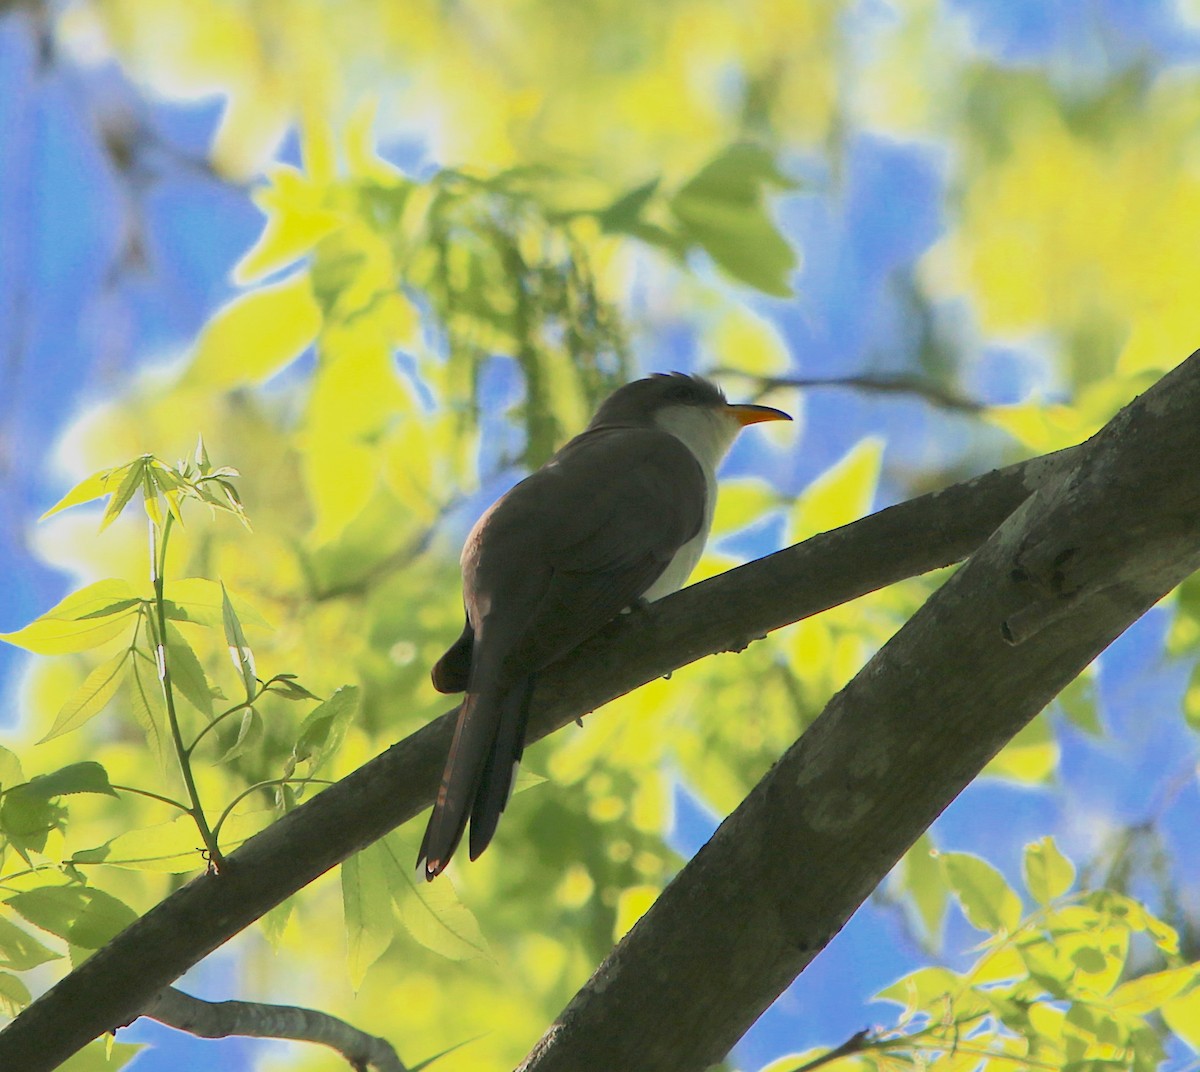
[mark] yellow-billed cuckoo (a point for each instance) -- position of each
(619, 515)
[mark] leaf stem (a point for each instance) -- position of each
(158, 560)
(261, 785)
(153, 796)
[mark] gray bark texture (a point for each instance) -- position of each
(1069, 550)
(254, 1019)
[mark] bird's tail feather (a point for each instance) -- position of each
(495, 783)
(489, 739)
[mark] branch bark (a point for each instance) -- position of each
(725, 613)
(254, 1019)
(1070, 570)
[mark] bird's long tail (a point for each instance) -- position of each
(489, 739)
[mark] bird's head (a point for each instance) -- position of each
(689, 407)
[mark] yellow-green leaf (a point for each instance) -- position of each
(92, 487)
(20, 950)
(1030, 757)
(296, 221)
(1048, 873)
(431, 911)
(186, 672)
(239, 650)
(367, 904)
(1182, 1015)
(843, 493)
(988, 902)
(103, 917)
(14, 995)
(1148, 993)
(101, 1056)
(924, 881)
(85, 619)
(199, 600)
(256, 335)
(91, 697)
(133, 479)
(633, 903)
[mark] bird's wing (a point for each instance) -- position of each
(594, 528)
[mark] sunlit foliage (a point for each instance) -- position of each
(591, 176)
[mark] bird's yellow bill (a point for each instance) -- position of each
(750, 414)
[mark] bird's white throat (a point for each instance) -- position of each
(708, 433)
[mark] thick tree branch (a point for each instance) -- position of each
(254, 1019)
(724, 613)
(1067, 573)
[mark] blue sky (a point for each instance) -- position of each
(75, 324)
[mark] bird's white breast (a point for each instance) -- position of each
(708, 434)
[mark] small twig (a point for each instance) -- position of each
(896, 384)
(253, 1019)
(856, 1043)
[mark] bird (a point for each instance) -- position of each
(616, 518)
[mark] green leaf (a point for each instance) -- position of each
(1182, 1015)
(85, 777)
(624, 215)
(186, 672)
(14, 996)
(10, 768)
(101, 1056)
(92, 487)
(199, 600)
(321, 732)
(1081, 704)
(91, 697)
(289, 688)
(250, 734)
(19, 949)
(721, 208)
(1048, 873)
(431, 911)
(1149, 993)
(988, 902)
(26, 821)
(85, 619)
(923, 990)
(130, 482)
(239, 650)
(1191, 699)
(148, 707)
(924, 880)
(366, 902)
(52, 908)
(103, 917)
(256, 335)
(842, 493)
(1031, 757)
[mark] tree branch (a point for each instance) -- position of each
(1059, 580)
(721, 614)
(253, 1019)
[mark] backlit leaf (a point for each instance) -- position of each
(239, 650)
(14, 995)
(91, 697)
(19, 950)
(1048, 873)
(92, 487)
(256, 335)
(186, 672)
(85, 619)
(987, 900)
(367, 904)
